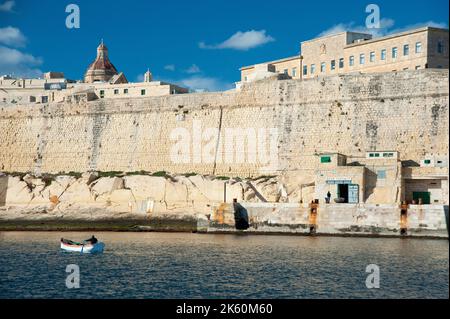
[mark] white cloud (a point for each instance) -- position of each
(12, 37)
(433, 24)
(169, 67)
(385, 24)
(20, 64)
(13, 61)
(385, 28)
(242, 41)
(205, 83)
(7, 6)
(193, 69)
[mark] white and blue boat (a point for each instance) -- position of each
(86, 247)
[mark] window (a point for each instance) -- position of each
(333, 64)
(406, 49)
(322, 67)
(418, 47)
(142, 92)
(341, 63)
(245, 79)
(285, 71)
(116, 91)
(388, 154)
(417, 67)
(102, 94)
(313, 68)
(294, 72)
(325, 159)
(362, 58)
(351, 60)
(440, 47)
(372, 56)
(427, 161)
(125, 91)
(305, 70)
(381, 174)
(181, 117)
(383, 54)
(394, 52)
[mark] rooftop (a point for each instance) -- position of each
(395, 35)
(336, 34)
(390, 36)
(274, 61)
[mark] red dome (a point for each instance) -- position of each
(101, 69)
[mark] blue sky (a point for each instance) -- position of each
(201, 44)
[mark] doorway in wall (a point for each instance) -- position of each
(424, 196)
(342, 192)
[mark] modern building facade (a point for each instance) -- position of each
(348, 52)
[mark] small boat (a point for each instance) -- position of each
(84, 247)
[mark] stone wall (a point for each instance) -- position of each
(405, 111)
(335, 219)
(145, 202)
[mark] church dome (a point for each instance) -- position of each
(101, 69)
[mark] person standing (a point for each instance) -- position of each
(328, 198)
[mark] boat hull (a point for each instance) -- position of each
(86, 249)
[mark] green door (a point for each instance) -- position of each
(424, 195)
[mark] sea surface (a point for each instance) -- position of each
(186, 265)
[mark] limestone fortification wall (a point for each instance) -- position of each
(405, 111)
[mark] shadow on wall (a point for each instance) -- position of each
(371, 183)
(446, 218)
(410, 163)
(240, 216)
(3, 188)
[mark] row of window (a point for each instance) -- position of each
(116, 92)
(427, 161)
(294, 72)
(44, 99)
(362, 58)
(381, 154)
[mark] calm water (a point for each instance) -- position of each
(182, 265)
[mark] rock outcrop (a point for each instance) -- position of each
(91, 196)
